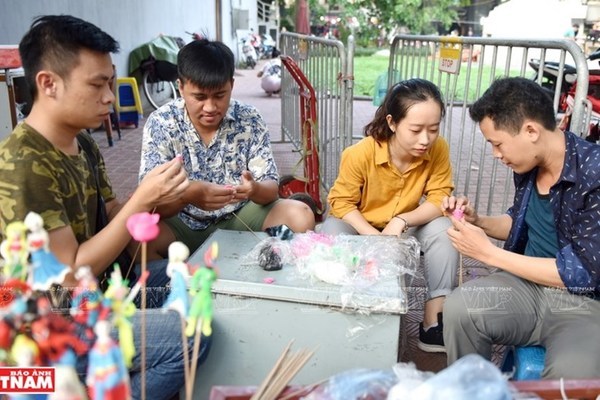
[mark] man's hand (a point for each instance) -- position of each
(212, 196)
(246, 189)
(470, 240)
(165, 184)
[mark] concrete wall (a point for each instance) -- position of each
(131, 22)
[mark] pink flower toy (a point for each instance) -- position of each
(143, 227)
(458, 214)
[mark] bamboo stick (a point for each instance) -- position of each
(307, 389)
(186, 361)
(282, 373)
(196, 350)
(296, 362)
(143, 322)
(271, 373)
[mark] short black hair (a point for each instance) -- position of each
(508, 102)
(54, 41)
(206, 64)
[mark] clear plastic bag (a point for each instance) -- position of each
(355, 384)
(364, 267)
(408, 378)
(471, 377)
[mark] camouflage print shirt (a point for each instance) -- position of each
(241, 143)
(35, 176)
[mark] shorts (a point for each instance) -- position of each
(250, 217)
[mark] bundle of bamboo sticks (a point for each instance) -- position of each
(284, 370)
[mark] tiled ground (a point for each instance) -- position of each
(123, 158)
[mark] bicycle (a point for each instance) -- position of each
(156, 62)
(157, 86)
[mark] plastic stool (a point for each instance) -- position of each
(128, 103)
(526, 362)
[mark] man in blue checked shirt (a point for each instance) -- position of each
(547, 289)
(225, 150)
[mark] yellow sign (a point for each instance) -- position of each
(303, 49)
(450, 56)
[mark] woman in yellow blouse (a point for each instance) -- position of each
(393, 181)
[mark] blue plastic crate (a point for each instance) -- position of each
(526, 362)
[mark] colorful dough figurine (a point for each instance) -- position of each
(107, 376)
(178, 270)
(46, 269)
(201, 310)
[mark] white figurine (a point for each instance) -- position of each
(45, 267)
(178, 270)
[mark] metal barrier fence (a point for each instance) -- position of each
(463, 68)
(329, 68)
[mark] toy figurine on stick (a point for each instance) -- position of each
(119, 299)
(45, 267)
(14, 251)
(143, 227)
(200, 314)
(178, 300)
(201, 311)
(107, 376)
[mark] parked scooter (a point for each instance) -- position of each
(550, 82)
(256, 42)
(268, 46)
(593, 96)
(250, 57)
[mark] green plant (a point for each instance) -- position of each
(368, 68)
(366, 71)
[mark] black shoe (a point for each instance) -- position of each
(432, 340)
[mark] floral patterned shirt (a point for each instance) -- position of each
(242, 143)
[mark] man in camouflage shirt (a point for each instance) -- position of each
(69, 70)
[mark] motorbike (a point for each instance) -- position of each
(550, 81)
(593, 97)
(250, 57)
(268, 46)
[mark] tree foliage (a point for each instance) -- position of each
(414, 16)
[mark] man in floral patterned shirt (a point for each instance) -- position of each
(45, 168)
(226, 151)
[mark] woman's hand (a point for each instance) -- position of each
(395, 227)
(452, 203)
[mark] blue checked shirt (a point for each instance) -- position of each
(241, 143)
(575, 201)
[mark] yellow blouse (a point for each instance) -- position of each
(370, 183)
